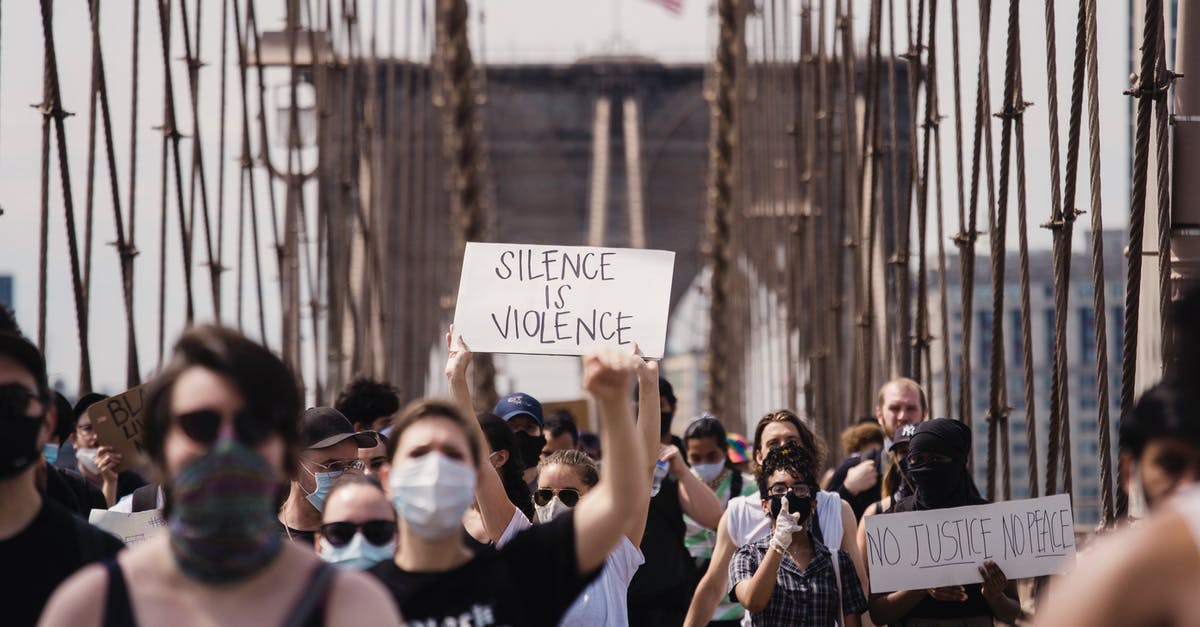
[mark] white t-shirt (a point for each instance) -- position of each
(747, 522)
(605, 601)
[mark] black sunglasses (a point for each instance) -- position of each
(377, 532)
(568, 496)
(204, 425)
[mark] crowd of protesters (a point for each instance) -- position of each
(384, 511)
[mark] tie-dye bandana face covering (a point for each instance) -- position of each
(222, 523)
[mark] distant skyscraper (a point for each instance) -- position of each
(1081, 364)
(6, 289)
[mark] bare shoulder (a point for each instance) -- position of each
(357, 598)
(74, 603)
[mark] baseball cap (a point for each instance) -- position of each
(15, 345)
(519, 403)
(903, 435)
(322, 427)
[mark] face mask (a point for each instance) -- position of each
(550, 511)
(50, 452)
(87, 458)
(708, 473)
(222, 522)
(431, 493)
(802, 504)
(530, 447)
(358, 553)
(1138, 507)
(325, 481)
(938, 484)
(18, 431)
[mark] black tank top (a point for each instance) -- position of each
(309, 611)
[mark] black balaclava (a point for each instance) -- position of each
(942, 483)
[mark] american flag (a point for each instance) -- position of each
(674, 6)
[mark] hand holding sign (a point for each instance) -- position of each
(118, 424)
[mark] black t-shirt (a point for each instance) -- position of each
(667, 577)
(532, 580)
(75, 494)
(307, 538)
(42, 556)
(861, 501)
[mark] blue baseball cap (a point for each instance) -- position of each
(517, 403)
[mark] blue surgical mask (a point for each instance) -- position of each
(358, 553)
(325, 481)
(50, 452)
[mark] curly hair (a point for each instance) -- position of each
(365, 400)
(859, 437)
(794, 460)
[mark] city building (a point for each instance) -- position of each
(1081, 362)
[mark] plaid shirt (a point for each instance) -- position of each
(808, 597)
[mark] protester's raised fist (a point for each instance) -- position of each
(647, 369)
(608, 373)
(459, 356)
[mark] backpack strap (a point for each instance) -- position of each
(839, 615)
(310, 608)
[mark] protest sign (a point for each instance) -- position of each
(563, 300)
(130, 528)
(944, 547)
(118, 423)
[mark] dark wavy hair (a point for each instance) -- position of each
(500, 438)
(265, 383)
(365, 400)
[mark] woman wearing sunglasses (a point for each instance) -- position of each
(358, 529)
(221, 431)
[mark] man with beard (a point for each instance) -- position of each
(41, 544)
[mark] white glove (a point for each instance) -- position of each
(785, 525)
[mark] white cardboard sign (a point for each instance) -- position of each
(563, 300)
(944, 547)
(130, 528)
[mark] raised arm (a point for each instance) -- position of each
(648, 420)
(695, 498)
(494, 507)
(715, 582)
(603, 517)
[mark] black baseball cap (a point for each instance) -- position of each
(903, 435)
(322, 427)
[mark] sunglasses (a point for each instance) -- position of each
(204, 426)
(568, 496)
(377, 532)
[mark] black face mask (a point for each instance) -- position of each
(530, 447)
(18, 430)
(938, 484)
(802, 504)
